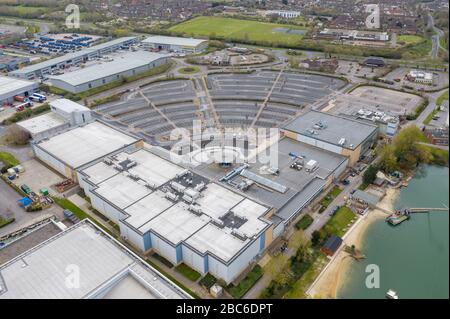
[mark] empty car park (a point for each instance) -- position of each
(261, 98)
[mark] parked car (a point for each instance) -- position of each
(25, 189)
(345, 182)
(334, 210)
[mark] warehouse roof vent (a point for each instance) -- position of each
(238, 234)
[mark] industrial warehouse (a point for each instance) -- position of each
(10, 87)
(64, 114)
(214, 218)
(357, 35)
(126, 65)
(87, 143)
(108, 269)
(70, 123)
(39, 70)
(181, 215)
(340, 135)
(175, 44)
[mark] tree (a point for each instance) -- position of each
(370, 174)
(296, 240)
(408, 151)
(16, 136)
(388, 159)
(405, 151)
(316, 237)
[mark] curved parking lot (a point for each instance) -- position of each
(158, 108)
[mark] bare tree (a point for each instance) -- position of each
(15, 135)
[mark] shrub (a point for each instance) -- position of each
(208, 281)
(304, 222)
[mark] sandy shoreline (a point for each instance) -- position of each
(331, 279)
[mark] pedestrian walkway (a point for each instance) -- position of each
(195, 287)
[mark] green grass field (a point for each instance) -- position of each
(188, 272)
(238, 30)
(409, 39)
(443, 97)
(334, 192)
(304, 222)
(189, 70)
(245, 284)
(8, 159)
(338, 223)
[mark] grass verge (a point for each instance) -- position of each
(25, 114)
(188, 272)
(245, 284)
(8, 159)
(443, 97)
(208, 281)
(337, 224)
(189, 70)
(4, 222)
(304, 222)
(332, 194)
(176, 282)
(163, 260)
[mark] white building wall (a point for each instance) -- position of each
(243, 260)
(230, 272)
(24, 91)
(340, 169)
(163, 248)
(320, 144)
(99, 204)
(49, 160)
(278, 230)
(80, 117)
(105, 80)
(84, 185)
(193, 259)
(50, 132)
(217, 268)
(132, 236)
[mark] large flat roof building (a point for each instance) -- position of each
(181, 215)
(125, 65)
(356, 35)
(175, 44)
(44, 126)
(337, 134)
(10, 87)
(83, 262)
(75, 147)
(64, 114)
(420, 76)
(47, 67)
(293, 186)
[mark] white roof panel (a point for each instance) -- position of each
(84, 144)
(189, 42)
(68, 105)
(70, 56)
(216, 200)
(120, 64)
(177, 223)
(8, 85)
(43, 271)
(216, 241)
(122, 190)
(42, 123)
(146, 209)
